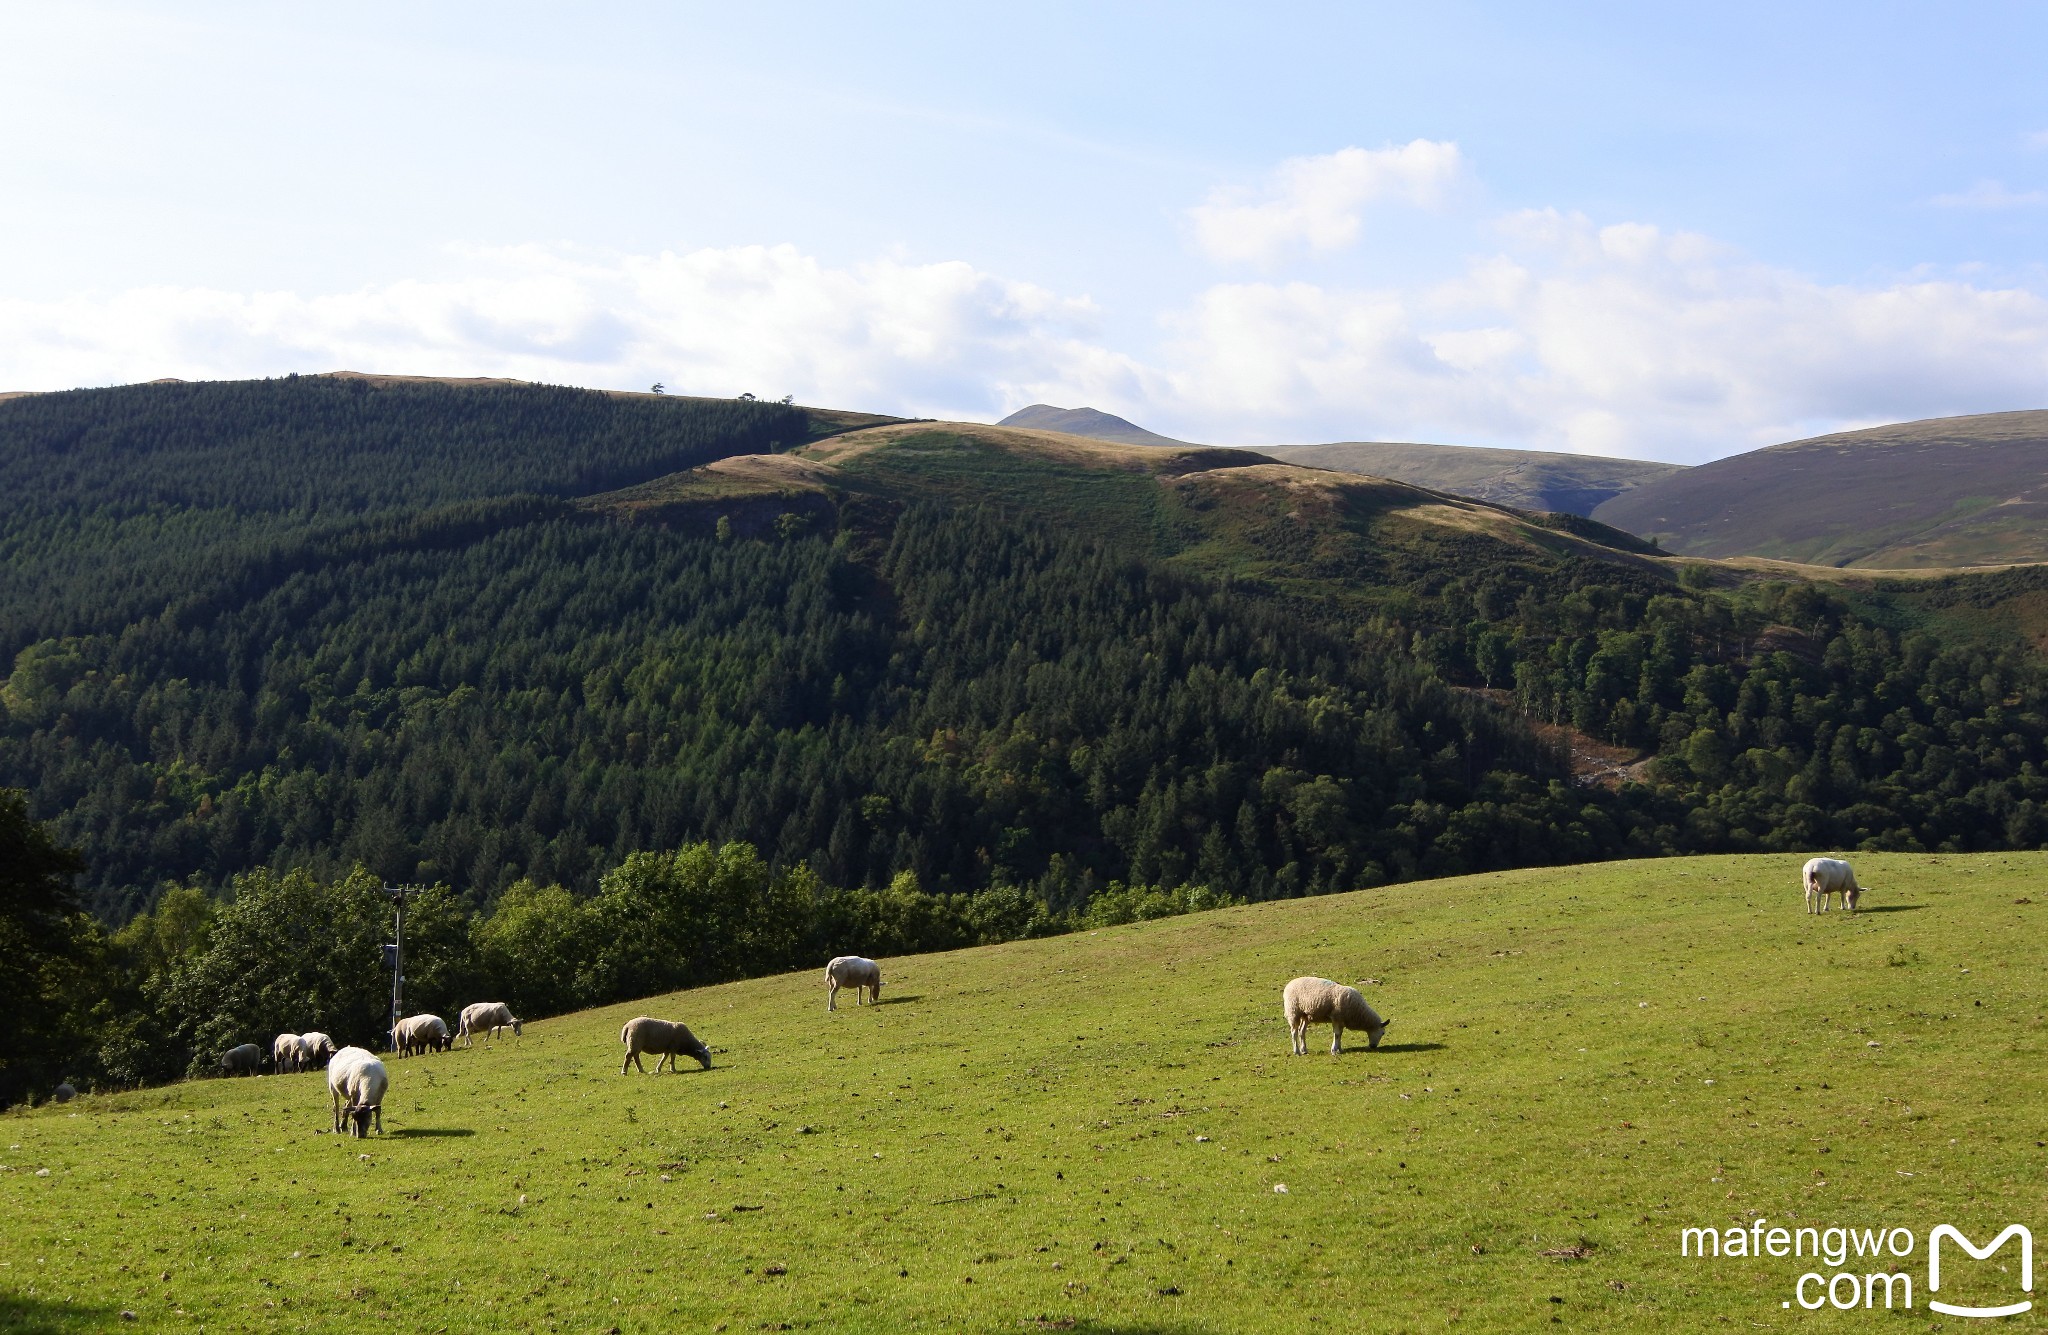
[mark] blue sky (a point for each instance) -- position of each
(1614, 228)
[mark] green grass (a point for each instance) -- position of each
(1588, 1057)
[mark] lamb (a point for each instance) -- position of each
(1318, 1000)
(855, 972)
(419, 1033)
(315, 1048)
(1829, 876)
(487, 1017)
(243, 1059)
(667, 1038)
(288, 1053)
(356, 1081)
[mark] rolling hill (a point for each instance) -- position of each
(1523, 479)
(1085, 422)
(1105, 1132)
(477, 634)
(1949, 491)
(1520, 479)
(785, 683)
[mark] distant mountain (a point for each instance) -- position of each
(1525, 479)
(1086, 422)
(1949, 491)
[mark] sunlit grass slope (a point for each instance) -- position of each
(1090, 1132)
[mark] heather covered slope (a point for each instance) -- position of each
(1090, 1133)
(1949, 491)
(1522, 479)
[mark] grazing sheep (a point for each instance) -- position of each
(855, 972)
(487, 1018)
(1310, 1001)
(666, 1038)
(356, 1081)
(1829, 876)
(288, 1053)
(419, 1033)
(66, 1091)
(315, 1048)
(243, 1059)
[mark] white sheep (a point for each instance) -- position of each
(487, 1017)
(855, 972)
(419, 1033)
(666, 1038)
(288, 1053)
(242, 1059)
(314, 1048)
(1308, 1001)
(1823, 877)
(356, 1081)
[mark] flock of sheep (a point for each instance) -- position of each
(357, 1080)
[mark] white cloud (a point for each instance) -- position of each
(1317, 202)
(939, 339)
(1558, 333)
(1610, 340)
(1988, 194)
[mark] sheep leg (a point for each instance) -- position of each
(668, 1057)
(1336, 1037)
(631, 1057)
(832, 995)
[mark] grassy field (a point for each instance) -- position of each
(1092, 1133)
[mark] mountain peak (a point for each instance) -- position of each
(1086, 422)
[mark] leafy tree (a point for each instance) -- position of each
(47, 951)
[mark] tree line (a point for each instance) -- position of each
(164, 995)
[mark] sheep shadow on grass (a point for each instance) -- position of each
(23, 1313)
(899, 1000)
(1402, 1047)
(427, 1132)
(1890, 908)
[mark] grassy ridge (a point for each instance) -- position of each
(1091, 1130)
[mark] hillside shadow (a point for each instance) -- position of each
(1403, 1047)
(430, 1132)
(1889, 908)
(24, 1314)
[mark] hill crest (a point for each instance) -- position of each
(1939, 492)
(1086, 422)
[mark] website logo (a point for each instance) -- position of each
(1981, 1254)
(1864, 1263)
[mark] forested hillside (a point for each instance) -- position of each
(916, 685)
(321, 623)
(117, 504)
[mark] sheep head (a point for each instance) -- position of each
(701, 1053)
(359, 1118)
(1373, 1032)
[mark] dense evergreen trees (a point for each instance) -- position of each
(274, 644)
